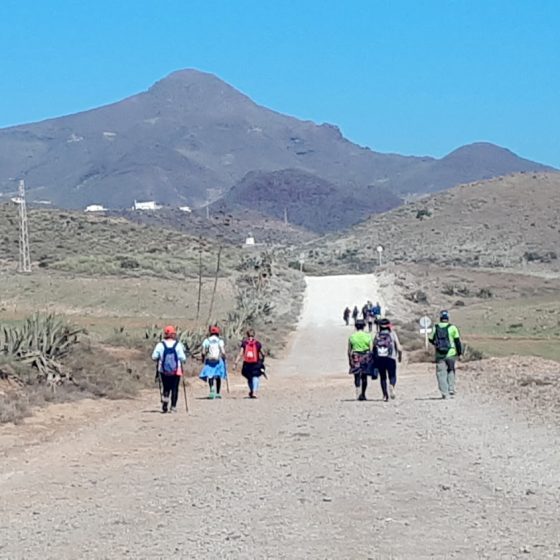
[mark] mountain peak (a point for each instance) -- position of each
(201, 89)
(479, 149)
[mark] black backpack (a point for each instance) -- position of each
(441, 339)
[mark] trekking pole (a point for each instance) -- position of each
(158, 377)
(227, 376)
(185, 394)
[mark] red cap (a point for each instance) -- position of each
(169, 331)
(214, 329)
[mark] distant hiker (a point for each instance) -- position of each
(346, 315)
(355, 313)
(367, 313)
(253, 362)
(170, 355)
(387, 351)
(359, 358)
(377, 312)
(447, 343)
(214, 356)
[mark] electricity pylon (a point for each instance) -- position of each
(24, 256)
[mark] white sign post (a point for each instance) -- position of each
(379, 250)
(301, 261)
(425, 329)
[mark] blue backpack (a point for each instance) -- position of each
(169, 359)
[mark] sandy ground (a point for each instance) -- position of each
(305, 472)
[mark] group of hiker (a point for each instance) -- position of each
(170, 356)
(370, 314)
(378, 355)
(369, 355)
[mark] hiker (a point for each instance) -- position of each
(346, 316)
(377, 312)
(170, 356)
(355, 314)
(387, 351)
(367, 312)
(253, 362)
(359, 358)
(446, 340)
(214, 356)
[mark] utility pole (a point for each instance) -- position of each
(24, 256)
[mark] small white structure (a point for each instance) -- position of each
(250, 240)
(148, 205)
(185, 209)
(95, 208)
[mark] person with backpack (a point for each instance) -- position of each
(253, 362)
(447, 342)
(346, 316)
(387, 351)
(376, 310)
(170, 356)
(355, 313)
(214, 356)
(359, 358)
(367, 314)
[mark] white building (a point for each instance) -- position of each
(95, 208)
(185, 209)
(250, 240)
(148, 205)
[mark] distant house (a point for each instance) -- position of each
(185, 209)
(148, 205)
(250, 240)
(95, 208)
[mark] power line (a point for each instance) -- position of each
(24, 255)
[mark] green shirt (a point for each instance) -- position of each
(453, 333)
(360, 341)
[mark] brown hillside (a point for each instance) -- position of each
(511, 221)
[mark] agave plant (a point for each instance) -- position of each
(41, 341)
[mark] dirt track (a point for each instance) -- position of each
(305, 472)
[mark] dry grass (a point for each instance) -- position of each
(521, 317)
(97, 245)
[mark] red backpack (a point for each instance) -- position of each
(251, 351)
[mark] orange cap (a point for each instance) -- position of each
(169, 331)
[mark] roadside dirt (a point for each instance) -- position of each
(305, 472)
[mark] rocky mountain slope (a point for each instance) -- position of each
(307, 200)
(190, 137)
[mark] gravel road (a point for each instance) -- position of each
(305, 472)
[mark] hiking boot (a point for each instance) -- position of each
(358, 393)
(164, 408)
(444, 397)
(212, 395)
(252, 396)
(362, 397)
(385, 398)
(173, 409)
(392, 392)
(218, 396)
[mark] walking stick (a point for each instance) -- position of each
(185, 394)
(158, 377)
(227, 375)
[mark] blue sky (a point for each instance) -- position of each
(414, 77)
